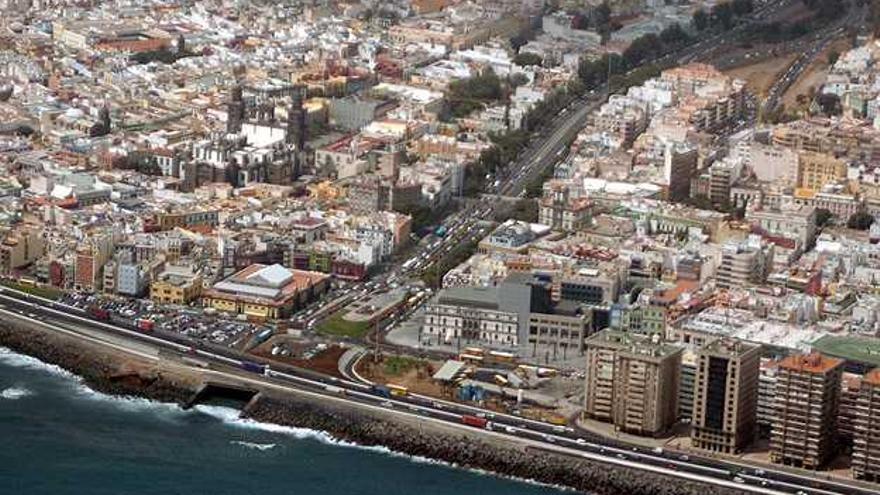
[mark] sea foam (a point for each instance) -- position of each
(13, 393)
(231, 416)
(12, 358)
(253, 445)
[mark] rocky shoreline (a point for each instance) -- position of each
(469, 451)
(113, 374)
(103, 372)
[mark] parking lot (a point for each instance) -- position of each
(194, 323)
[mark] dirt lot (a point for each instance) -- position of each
(760, 76)
(414, 374)
(814, 75)
(325, 361)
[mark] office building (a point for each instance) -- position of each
(725, 396)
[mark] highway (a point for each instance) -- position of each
(814, 45)
(544, 151)
(225, 363)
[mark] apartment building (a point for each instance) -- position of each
(766, 410)
(599, 285)
(632, 381)
(679, 167)
(744, 263)
(562, 212)
(20, 246)
(807, 398)
(815, 170)
(725, 396)
(187, 219)
(559, 332)
(794, 222)
(178, 286)
(866, 439)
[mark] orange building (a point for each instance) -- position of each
(807, 400)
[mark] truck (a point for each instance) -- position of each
(333, 389)
(253, 367)
(145, 325)
(381, 390)
(99, 313)
(262, 337)
(474, 421)
(441, 231)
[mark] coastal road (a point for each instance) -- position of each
(749, 479)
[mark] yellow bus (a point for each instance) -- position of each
(397, 390)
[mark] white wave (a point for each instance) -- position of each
(12, 358)
(256, 446)
(13, 393)
(129, 403)
(232, 417)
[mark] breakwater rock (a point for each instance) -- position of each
(112, 373)
(104, 372)
(425, 439)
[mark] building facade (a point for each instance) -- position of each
(866, 435)
(725, 396)
(632, 381)
(807, 398)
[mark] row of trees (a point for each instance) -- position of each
(466, 95)
(873, 16)
(722, 15)
(595, 72)
(597, 18)
(824, 11)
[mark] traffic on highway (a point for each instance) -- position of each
(553, 438)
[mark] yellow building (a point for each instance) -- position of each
(176, 288)
(265, 292)
(815, 170)
(20, 246)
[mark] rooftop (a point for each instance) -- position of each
(810, 363)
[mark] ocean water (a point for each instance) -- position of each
(59, 437)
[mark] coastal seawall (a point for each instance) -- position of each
(469, 450)
(103, 371)
(113, 373)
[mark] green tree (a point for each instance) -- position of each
(860, 221)
(723, 15)
(833, 56)
(517, 80)
(823, 217)
(525, 210)
(700, 20)
(674, 35)
(742, 7)
(527, 59)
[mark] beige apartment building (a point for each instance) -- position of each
(632, 381)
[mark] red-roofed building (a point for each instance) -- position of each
(866, 438)
(265, 292)
(807, 401)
